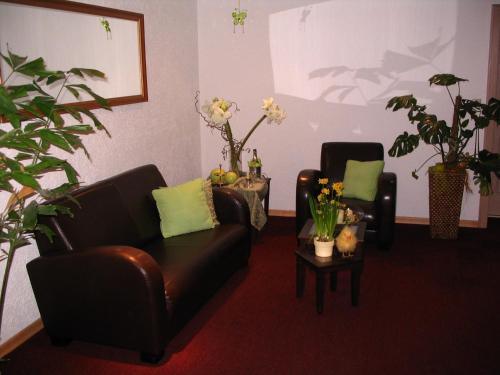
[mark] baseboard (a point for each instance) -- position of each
(283, 213)
(425, 221)
(21, 337)
(399, 219)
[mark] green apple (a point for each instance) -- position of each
(230, 177)
(217, 175)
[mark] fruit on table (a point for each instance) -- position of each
(217, 175)
(230, 177)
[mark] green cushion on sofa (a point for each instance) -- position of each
(183, 208)
(361, 179)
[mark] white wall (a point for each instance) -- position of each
(163, 131)
(333, 65)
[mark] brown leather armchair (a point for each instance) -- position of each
(379, 214)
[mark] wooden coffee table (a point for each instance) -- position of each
(322, 265)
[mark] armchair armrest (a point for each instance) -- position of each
(386, 208)
(111, 295)
(307, 184)
(231, 207)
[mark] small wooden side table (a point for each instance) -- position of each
(322, 265)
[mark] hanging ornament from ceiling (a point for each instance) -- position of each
(239, 15)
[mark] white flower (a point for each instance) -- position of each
(267, 103)
(217, 111)
(219, 116)
(275, 114)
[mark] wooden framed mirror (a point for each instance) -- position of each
(70, 34)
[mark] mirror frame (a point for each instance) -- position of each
(71, 6)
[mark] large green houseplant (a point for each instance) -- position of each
(33, 124)
(450, 144)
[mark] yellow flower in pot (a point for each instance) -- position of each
(324, 211)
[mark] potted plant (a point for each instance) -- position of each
(216, 115)
(33, 124)
(324, 211)
(448, 177)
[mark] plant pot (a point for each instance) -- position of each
(446, 190)
(322, 248)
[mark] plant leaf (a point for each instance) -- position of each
(404, 144)
(55, 139)
(25, 179)
(24, 193)
(7, 105)
(445, 80)
(32, 68)
(14, 60)
(49, 233)
(30, 216)
(88, 72)
(99, 99)
(398, 102)
(71, 173)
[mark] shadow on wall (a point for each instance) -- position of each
(360, 53)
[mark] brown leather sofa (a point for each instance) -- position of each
(109, 277)
(379, 215)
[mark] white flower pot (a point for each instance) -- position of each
(322, 248)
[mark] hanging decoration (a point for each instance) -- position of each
(107, 28)
(239, 15)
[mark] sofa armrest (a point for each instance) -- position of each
(110, 294)
(386, 208)
(231, 207)
(307, 184)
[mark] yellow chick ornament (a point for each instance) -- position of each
(346, 242)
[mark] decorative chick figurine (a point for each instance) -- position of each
(346, 242)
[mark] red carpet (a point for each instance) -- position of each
(426, 307)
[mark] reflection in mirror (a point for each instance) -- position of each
(68, 34)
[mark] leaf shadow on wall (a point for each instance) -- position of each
(387, 76)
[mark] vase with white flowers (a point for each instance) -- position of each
(216, 115)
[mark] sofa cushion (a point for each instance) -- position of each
(183, 208)
(183, 259)
(207, 188)
(361, 179)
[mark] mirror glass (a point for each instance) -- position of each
(69, 34)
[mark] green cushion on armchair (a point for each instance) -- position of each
(361, 179)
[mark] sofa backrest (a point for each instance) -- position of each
(117, 211)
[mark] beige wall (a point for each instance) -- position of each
(333, 65)
(290, 49)
(163, 131)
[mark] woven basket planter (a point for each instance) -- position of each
(446, 190)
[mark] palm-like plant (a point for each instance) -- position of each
(34, 125)
(450, 142)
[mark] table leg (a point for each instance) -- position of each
(333, 281)
(300, 277)
(355, 285)
(320, 291)
(266, 198)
